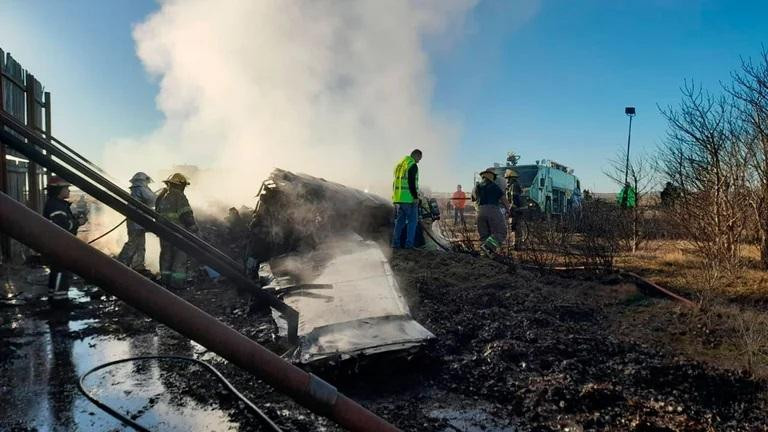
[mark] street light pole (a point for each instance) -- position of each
(630, 112)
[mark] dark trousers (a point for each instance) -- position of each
(173, 266)
(458, 214)
(58, 283)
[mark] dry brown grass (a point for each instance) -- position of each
(675, 265)
(729, 327)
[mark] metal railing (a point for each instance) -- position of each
(76, 169)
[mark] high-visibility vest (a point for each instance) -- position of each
(401, 193)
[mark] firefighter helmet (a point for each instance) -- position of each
(489, 171)
(57, 181)
(177, 178)
(141, 177)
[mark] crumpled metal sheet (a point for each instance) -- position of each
(348, 300)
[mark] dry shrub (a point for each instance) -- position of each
(590, 236)
(751, 339)
(547, 243)
(463, 236)
(706, 281)
(602, 227)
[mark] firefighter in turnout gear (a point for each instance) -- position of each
(172, 204)
(514, 196)
(492, 206)
(57, 210)
(133, 251)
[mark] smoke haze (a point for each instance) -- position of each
(335, 89)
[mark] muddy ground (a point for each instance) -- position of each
(515, 351)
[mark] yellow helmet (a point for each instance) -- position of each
(510, 173)
(177, 178)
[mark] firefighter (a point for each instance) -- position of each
(133, 251)
(57, 210)
(172, 204)
(405, 197)
(514, 193)
(490, 218)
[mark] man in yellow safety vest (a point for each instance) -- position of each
(405, 197)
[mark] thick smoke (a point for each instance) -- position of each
(336, 89)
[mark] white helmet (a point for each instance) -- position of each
(141, 177)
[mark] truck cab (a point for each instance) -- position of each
(549, 186)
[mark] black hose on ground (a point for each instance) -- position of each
(81, 386)
(108, 232)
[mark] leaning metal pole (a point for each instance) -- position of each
(626, 166)
(66, 250)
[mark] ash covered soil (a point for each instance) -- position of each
(514, 351)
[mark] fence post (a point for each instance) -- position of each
(48, 128)
(5, 241)
(32, 178)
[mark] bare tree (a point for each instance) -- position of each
(704, 159)
(642, 177)
(750, 94)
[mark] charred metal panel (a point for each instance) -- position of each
(348, 300)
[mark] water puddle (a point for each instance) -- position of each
(78, 325)
(140, 390)
(43, 392)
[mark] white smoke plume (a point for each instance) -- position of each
(336, 89)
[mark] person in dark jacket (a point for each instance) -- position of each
(57, 210)
(491, 224)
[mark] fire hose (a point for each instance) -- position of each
(130, 422)
(108, 232)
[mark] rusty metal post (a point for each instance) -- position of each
(66, 250)
(33, 192)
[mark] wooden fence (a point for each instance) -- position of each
(23, 96)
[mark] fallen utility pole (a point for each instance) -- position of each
(80, 172)
(160, 304)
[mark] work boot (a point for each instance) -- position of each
(489, 246)
(58, 300)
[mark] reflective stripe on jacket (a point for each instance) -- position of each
(173, 205)
(59, 212)
(401, 193)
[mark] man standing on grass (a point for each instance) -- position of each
(405, 197)
(458, 200)
(490, 214)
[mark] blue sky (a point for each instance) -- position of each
(552, 86)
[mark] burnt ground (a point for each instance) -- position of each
(515, 351)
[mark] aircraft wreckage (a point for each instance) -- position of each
(318, 246)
